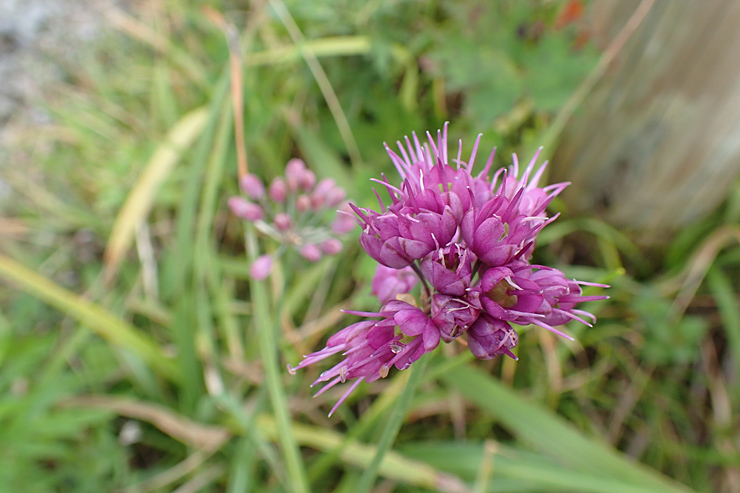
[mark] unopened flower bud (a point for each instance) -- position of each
(294, 173)
(324, 186)
(317, 201)
(252, 186)
(344, 222)
(332, 246)
(261, 267)
(283, 222)
(387, 282)
(244, 209)
(489, 337)
(307, 180)
(278, 190)
(335, 196)
(303, 202)
(310, 252)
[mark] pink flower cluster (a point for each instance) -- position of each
(469, 240)
(293, 210)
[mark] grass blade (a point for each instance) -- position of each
(550, 433)
(101, 321)
(393, 465)
(178, 263)
(141, 198)
(726, 299)
(208, 438)
(266, 333)
(322, 80)
(513, 469)
(395, 421)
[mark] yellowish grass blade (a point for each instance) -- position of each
(97, 318)
(140, 199)
(203, 437)
(393, 466)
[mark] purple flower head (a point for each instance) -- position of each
(318, 197)
(332, 246)
(345, 221)
(367, 347)
(353, 336)
(282, 222)
(324, 187)
(307, 180)
(387, 282)
(399, 236)
(469, 240)
(302, 203)
(427, 168)
(294, 174)
(327, 193)
(381, 239)
(291, 213)
(423, 231)
(335, 196)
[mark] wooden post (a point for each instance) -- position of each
(656, 144)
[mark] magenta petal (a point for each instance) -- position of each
(490, 233)
(430, 337)
(414, 249)
(411, 321)
(494, 276)
(494, 309)
(380, 336)
(411, 353)
(499, 255)
(467, 226)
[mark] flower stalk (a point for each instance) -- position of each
(393, 426)
(266, 333)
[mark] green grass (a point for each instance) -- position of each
(125, 300)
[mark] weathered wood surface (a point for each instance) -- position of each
(656, 144)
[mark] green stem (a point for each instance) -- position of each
(424, 283)
(398, 413)
(269, 350)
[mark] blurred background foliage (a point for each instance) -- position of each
(128, 337)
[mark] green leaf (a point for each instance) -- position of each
(551, 434)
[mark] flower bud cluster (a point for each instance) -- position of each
(469, 241)
(295, 210)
